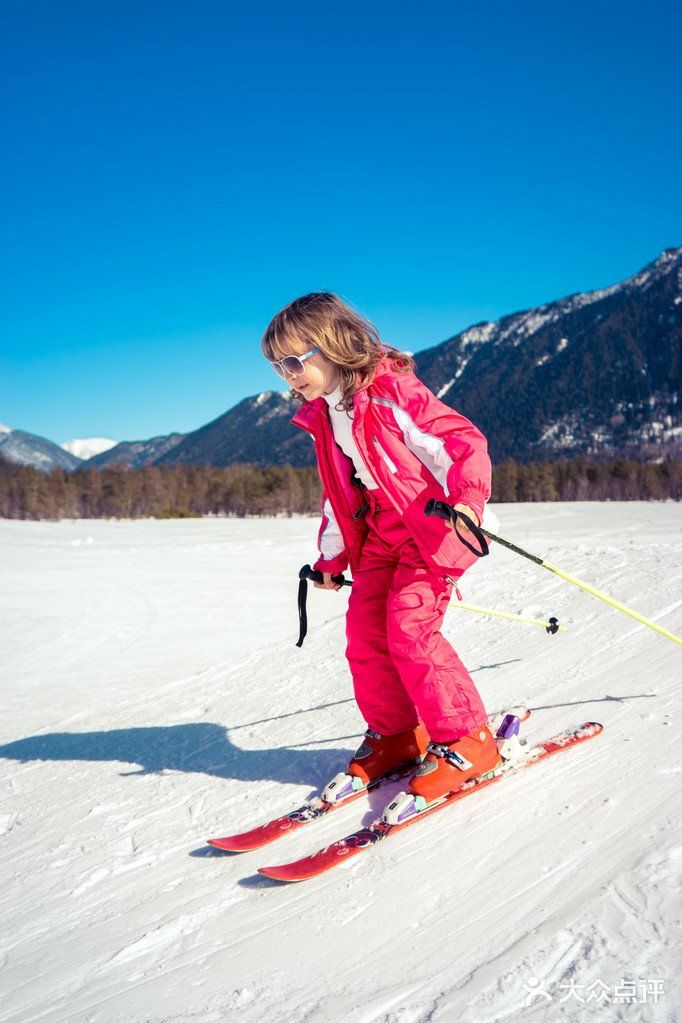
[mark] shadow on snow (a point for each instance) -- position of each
(206, 748)
(197, 747)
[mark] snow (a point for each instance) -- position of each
(529, 323)
(154, 696)
(88, 447)
(5, 429)
(461, 369)
(446, 387)
(559, 348)
(523, 325)
(561, 433)
(478, 334)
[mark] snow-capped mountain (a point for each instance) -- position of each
(257, 430)
(88, 447)
(135, 454)
(595, 373)
(29, 449)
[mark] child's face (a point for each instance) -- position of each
(320, 376)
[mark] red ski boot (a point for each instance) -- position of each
(377, 755)
(380, 754)
(448, 766)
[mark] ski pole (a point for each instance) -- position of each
(552, 626)
(446, 511)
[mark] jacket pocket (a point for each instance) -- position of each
(389, 461)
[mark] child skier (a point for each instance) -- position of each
(385, 445)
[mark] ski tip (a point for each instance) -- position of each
(231, 844)
(246, 841)
(278, 874)
(217, 843)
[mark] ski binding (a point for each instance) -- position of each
(511, 749)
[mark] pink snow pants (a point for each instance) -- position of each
(403, 669)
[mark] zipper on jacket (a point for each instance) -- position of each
(321, 456)
(357, 482)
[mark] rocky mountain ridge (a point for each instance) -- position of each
(595, 373)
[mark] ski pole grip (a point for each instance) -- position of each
(317, 577)
(446, 511)
(306, 573)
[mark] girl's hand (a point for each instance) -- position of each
(327, 584)
(467, 511)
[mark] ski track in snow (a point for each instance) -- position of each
(154, 696)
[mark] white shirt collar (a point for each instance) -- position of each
(334, 398)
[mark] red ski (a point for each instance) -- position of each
(318, 807)
(310, 811)
(339, 852)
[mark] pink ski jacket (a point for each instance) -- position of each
(415, 448)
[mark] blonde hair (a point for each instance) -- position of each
(322, 320)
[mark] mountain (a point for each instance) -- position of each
(29, 449)
(135, 454)
(257, 430)
(595, 373)
(88, 446)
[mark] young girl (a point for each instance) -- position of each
(385, 445)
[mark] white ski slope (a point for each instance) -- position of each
(153, 696)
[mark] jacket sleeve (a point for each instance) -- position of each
(333, 557)
(447, 443)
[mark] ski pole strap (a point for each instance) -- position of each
(302, 612)
(446, 511)
(317, 577)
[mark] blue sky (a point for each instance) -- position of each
(178, 172)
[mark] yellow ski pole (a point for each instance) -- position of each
(550, 626)
(445, 511)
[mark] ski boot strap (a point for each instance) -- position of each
(452, 756)
(371, 734)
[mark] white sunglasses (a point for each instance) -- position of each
(292, 364)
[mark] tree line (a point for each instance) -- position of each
(182, 491)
